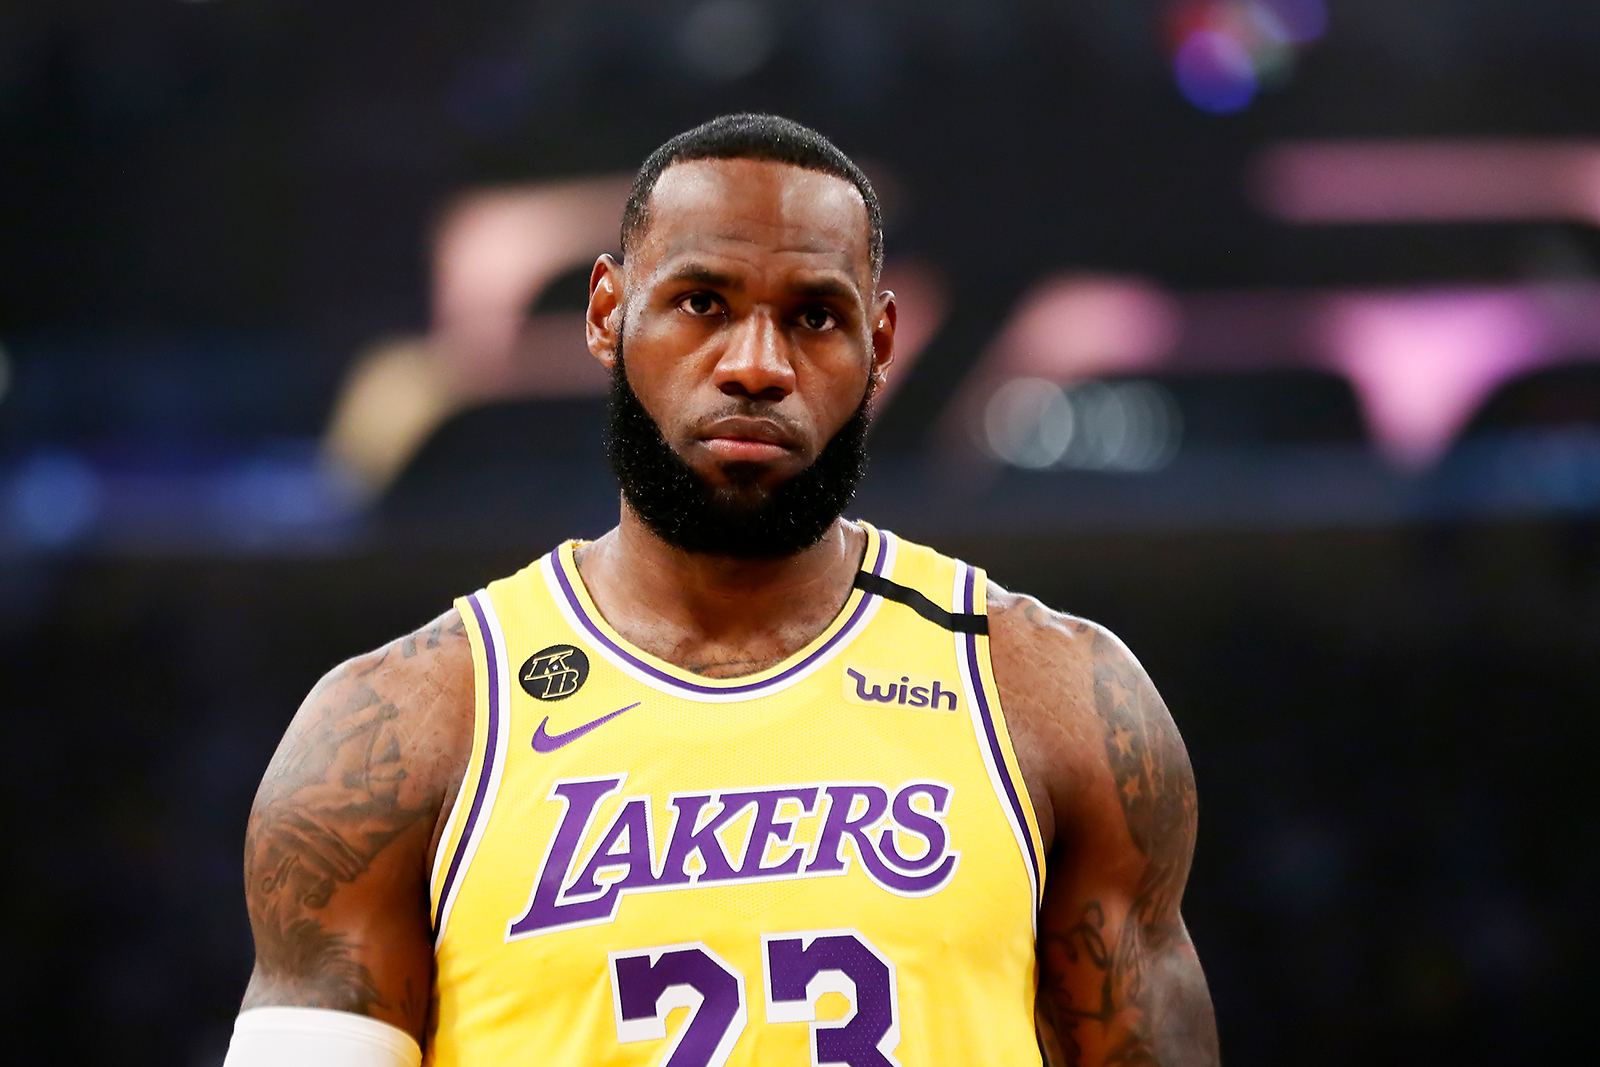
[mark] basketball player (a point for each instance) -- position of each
(837, 797)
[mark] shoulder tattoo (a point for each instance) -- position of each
(336, 796)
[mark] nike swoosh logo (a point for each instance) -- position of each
(543, 742)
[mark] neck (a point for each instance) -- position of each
(716, 615)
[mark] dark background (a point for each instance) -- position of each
(207, 207)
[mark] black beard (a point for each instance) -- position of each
(741, 522)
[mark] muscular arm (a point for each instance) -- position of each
(1119, 980)
(344, 827)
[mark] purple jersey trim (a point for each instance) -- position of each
(600, 636)
(485, 772)
(971, 642)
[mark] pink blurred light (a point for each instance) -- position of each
(1077, 327)
(1423, 363)
(495, 251)
(1430, 181)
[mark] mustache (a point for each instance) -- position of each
(753, 409)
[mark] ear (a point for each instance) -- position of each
(884, 316)
(602, 323)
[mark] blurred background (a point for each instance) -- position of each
(1266, 332)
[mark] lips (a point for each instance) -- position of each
(747, 440)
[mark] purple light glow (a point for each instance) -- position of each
(1424, 362)
(1430, 181)
(1214, 72)
(1302, 20)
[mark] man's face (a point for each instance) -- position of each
(752, 324)
(752, 331)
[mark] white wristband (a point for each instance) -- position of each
(317, 1037)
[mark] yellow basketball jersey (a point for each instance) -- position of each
(832, 861)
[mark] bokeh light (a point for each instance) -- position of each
(1214, 73)
(1225, 51)
(55, 499)
(1131, 426)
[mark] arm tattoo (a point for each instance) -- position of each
(1136, 990)
(1081, 945)
(331, 803)
(1155, 786)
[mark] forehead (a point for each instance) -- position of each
(753, 208)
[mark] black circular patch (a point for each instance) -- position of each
(554, 673)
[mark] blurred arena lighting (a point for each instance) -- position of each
(267, 498)
(1068, 328)
(395, 395)
(1429, 181)
(1028, 422)
(1421, 360)
(1224, 51)
(55, 499)
(1128, 426)
(495, 251)
(278, 498)
(1561, 465)
(727, 39)
(1078, 326)
(1214, 72)
(1423, 363)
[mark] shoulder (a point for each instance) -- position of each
(424, 678)
(426, 673)
(1046, 661)
(1081, 709)
(401, 716)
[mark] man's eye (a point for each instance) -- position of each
(699, 304)
(817, 319)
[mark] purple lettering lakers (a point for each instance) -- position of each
(898, 836)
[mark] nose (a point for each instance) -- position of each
(756, 362)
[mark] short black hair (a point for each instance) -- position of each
(768, 138)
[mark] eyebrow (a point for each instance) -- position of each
(827, 288)
(700, 274)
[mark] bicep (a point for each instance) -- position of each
(336, 850)
(1119, 979)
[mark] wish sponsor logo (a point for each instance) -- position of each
(865, 686)
(816, 830)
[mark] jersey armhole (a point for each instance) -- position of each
(478, 782)
(972, 655)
